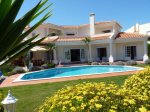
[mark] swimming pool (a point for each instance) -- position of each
(74, 71)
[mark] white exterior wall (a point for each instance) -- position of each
(100, 30)
(70, 30)
(61, 51)
(94, 51)
(39, 30)
(118, 51)
(114, 52)
(120, 48)
(84, 31)
(145, 29)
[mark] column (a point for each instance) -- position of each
(90, 53)
(111, 58)
(145, 57)
(55, 61)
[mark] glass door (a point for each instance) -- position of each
(130, 52)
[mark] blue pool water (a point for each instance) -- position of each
(75, 71)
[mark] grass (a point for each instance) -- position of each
(142, 65)
(31, 96)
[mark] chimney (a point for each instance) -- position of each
(92, 24)
(136, 28)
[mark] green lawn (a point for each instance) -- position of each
(142, 65)
(31, 96)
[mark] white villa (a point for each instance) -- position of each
(107, 42)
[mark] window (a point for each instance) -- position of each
(82, 54)
(52, 34)
(130, 51)
(70, 34)
(127, 51)
(106, 31)
(67, 54)
(102, 53)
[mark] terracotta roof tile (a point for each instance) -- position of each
(70, 26)
(67, 38)
(100, 37)
(49, 40)
(71, 38)
(124, 35)
(121, 35)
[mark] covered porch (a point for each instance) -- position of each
(131, 49)
(40, 55)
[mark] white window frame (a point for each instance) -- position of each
(129, 57)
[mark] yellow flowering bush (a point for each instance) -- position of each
(94, 97)
(139, 82)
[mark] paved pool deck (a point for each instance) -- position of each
(8, 82)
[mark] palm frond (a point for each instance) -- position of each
(12, 31)
(87, 40)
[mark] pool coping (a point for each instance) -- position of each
(21, 75)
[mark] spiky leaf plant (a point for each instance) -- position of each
(12, 30)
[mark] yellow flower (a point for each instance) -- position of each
(73, 109)
(143, 109)
(92, 100)
(84, 92)
(79, 98)
(131, 101)
(83, 106)
(113, 107)
(64, 107)
(98, 106)
(112, 110)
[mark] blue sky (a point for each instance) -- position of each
(76, 12)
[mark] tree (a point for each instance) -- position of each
(12, 31)
(50, 47)
(87, 41)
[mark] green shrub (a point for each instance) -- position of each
(147, 61)
(1, 98)
(94, 97)
(6, 69)
(51, 65)
(131, 62)
(118, 63)
(104, 63)
(139, 83)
